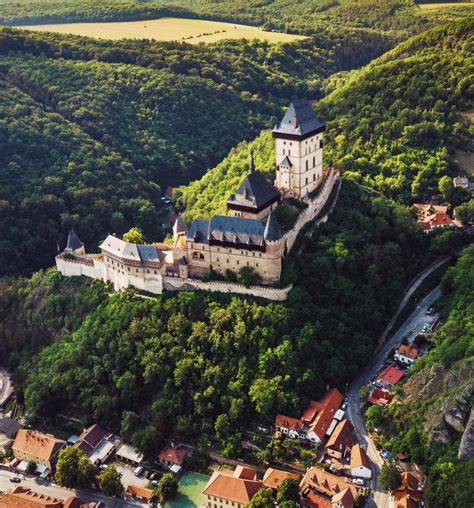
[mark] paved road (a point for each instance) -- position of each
(62, 493)
(378, 497)
(6, 388)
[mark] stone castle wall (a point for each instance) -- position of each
(314, 207)
(179, 284)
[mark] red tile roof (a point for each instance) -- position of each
(274, 477)
(245, 473)
(226, 486)
(381, 397)
(36, 444)
(327, 483)
(342, 436)
(328, 405)
(175, 455)
(410, 351)
(136, 490)
(391, 375)
(288, 423)
(344, 498)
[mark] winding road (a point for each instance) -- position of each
(379, 498)
(6, 388)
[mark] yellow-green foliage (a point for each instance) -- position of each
(208, 196)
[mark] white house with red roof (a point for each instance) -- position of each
(316, 420)
(406, 354)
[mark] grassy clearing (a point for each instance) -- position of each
(193, 31)
(444, 5)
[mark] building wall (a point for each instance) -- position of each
(361, 472)
(306, 171)
(122, 276)
(21, 455)
(71, 268)
(263, 214)
(179, 284)
(217, 502)
(202, 257)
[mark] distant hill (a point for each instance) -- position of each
(162, 113)
(392, 125)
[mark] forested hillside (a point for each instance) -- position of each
(396, 17)
(178, 362)
(430, 414)
(394, 125)
(92, 131)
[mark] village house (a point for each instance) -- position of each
(226, 489)
(388, 378)
(360, 464)
(33, 446)
(380, 397)
(321, 489)
(316, 420)
(273, 478)
(409, 494)
(140, 492)
(22, 497)
(340, 442)
(96, 443)
(406, 354)
(172, 457)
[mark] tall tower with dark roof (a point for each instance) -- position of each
(299, 150)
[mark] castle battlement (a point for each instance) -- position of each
(248, 238)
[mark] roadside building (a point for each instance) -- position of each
(340, 443)
(406, 354)
(273, 478)
(360, 464)
(140, 492)
(316, 421)
(235, 489)
(461, 181)
(96, 443)
(380, 397)
(388, 378)
(22, 497)
(321, 489)
(33, 446)
(172, 457)
(409, 494)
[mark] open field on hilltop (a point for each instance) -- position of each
(444, 5)
(193, 31)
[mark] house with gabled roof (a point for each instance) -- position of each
(96, 443)
(236, 488)
(388, 377)
(34, 446)
(316, 420)
(340, 442)
(172, 457)
(360, 464)
(273, 478)
(406, 353)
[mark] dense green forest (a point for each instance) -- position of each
(437, 382)
(92, 131)
(397, 17)
(393, 125)
(180, 361)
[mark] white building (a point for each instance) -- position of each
(360, 464)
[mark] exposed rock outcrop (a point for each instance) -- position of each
(466, 447)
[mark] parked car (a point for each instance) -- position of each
(261, 428)
(103, 466)
(358, 481)
(344, 406)
(15, 479)
(138, 471)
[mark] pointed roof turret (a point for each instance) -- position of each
(179, 225)
(252, 163)
(73, 242)
(273, 230)
(299, 120)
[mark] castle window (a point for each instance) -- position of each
(136, 269)
(321, 144)
(289, 152)
(314, 161)
(147, 271)
(314, 177)
(248, 264)
(283, 151)
(260, 255)
(155, 272)
(238, 262)
(306, 181)
(227, 259)
(306, 165)
(256, 264)
(128, 268)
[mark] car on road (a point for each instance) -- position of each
(15, 479)
(344, 405)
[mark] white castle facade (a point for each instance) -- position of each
(249, 236)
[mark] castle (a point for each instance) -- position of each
(249, 236)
